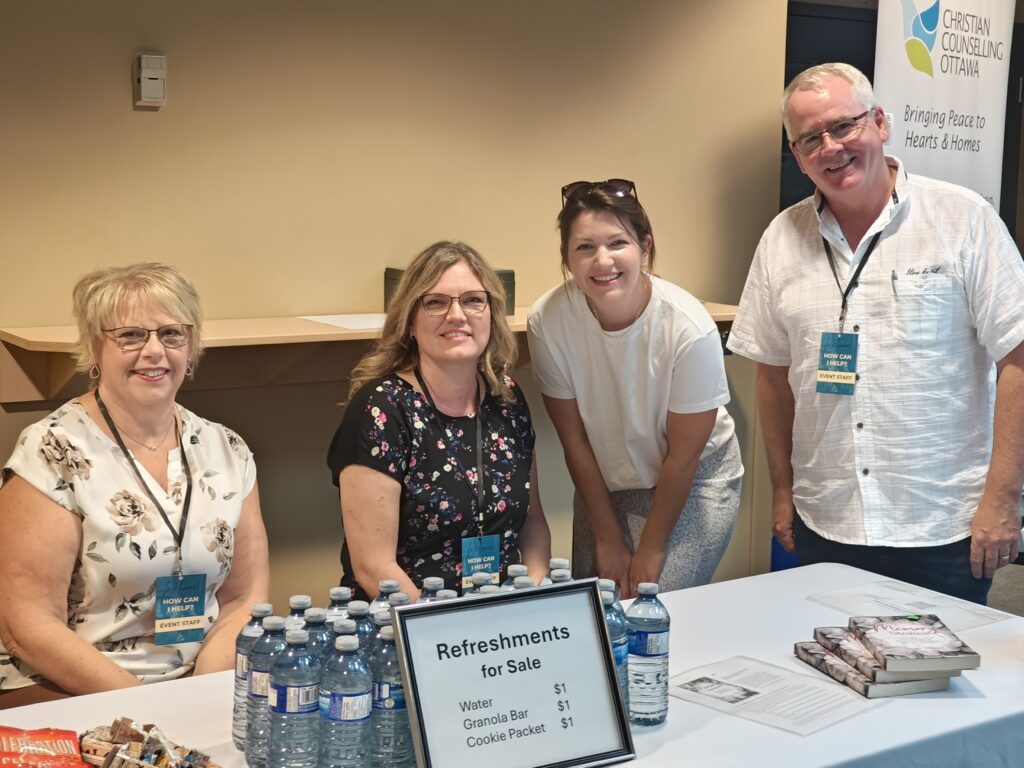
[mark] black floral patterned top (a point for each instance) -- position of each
(125, 543)
(390, 427)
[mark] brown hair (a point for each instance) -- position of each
(396, 350)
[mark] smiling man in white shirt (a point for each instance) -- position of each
(879, 311)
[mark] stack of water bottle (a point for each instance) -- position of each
(322, 688)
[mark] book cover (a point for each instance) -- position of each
(814, 653)
(913, 643)
(844, 644)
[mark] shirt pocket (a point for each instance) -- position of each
(925, 308)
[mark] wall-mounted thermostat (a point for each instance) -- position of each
(150, 86)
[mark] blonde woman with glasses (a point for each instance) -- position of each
(131, 541)
(434, 457)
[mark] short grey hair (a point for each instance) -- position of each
(812, 79)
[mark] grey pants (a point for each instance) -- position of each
(700, 537)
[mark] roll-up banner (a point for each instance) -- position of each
(940, 74)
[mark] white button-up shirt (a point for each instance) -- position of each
(901, 462)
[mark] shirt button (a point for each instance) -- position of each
(860, 425)
(864, 471)
(856, 328)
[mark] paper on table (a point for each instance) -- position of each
(770, 695)
(890, 598)
(372, 321)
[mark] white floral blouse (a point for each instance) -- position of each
(125, 542)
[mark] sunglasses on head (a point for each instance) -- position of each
(614, 187)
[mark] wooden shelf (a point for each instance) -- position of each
(36, 363)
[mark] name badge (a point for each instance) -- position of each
(480, 553)
(837, 364)
(180, 609)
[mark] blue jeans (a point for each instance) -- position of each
(945, 568)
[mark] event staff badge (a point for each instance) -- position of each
(837, 364)
(480, 553)
(180, 608)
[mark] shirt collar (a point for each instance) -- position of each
(828, 227)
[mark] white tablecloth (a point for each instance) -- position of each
(979, 721)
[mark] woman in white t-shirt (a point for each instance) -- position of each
(632, 375)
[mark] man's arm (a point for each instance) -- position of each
(995, 529)
(775, 407)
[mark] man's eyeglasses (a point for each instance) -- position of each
(841, 131)
(436, 304)
(130, 338)
(614, 187)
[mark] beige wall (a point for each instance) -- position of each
(307, 145)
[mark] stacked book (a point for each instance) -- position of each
(889, 655)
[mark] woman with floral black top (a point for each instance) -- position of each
(429, 405)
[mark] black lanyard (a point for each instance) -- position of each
(179, 535)
(478, 511)
(853, 280)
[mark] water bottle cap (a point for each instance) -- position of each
(315, 615)
(346, 643)
(358, 608)
(251, 631)
(524, 582)
(297, 602)
(606, 585)
(517, 569)
(380, 618)
(344, 626)
(387, 586)
(447, 594)
(479, 578)
(273, 623)
(296, 636)
(293, 622)
(489, 589)
(607, 598)
(387, 632)
(341, 594)
(647, 588)
(433, 583)
(261, 609)
(560, 574)
(398, 598)
(558, 562)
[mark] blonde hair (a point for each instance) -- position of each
(105, 296)
(396, 350)
(813, 79)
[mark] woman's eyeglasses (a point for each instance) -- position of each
(130, 337)
(841, 131)
(615, 187)
(474, 302)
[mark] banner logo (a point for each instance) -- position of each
(919, 32)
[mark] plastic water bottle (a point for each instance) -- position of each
(391, 739)
(516, 569)
(339, 604)
(381, 619)
(488, 589)
(447, 594)
(297, 604)
(359, 611)
(321, 635)
(479, 578)
(618, 633)
(610, 585)
(243, 644)
(431, 585)
(524, 582)
(397, 598)
(561, 576)
(294, 703)
(387, 587)
(648, 657)
(261, 659)
(553, 565)
(345, 706)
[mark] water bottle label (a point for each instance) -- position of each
(241, 666)
(344, 707)
(293, 699)
(388, 695)
(648, 643)
(620, 650)
(259, 684)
